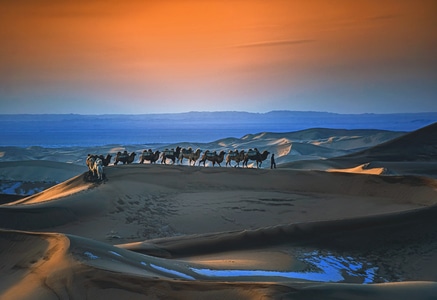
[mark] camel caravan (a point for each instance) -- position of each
(179, 154)
(96, 163)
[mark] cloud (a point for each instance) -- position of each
(384, 17)
(274, 43)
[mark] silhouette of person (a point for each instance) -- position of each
(272, 162)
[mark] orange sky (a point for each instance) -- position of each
(170, 56)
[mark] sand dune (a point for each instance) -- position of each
(180, 232)
(70, 267)
(306, 144)
(32, 176)
(148, 201)
(39, 170)
(419, 145)
(414, 153)
(362, 169)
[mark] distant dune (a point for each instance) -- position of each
(366, 227)
(413, 153)
(288, 146)
(419, 145)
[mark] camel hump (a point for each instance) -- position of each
(187, 151)
(210, 154)
(252, 152)
(147, 154)
(233, 154)
(168, 152)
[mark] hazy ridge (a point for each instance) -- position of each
(54, 130)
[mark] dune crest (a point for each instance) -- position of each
(64, 189)
(361, 169)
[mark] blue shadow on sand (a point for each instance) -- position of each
(323, 268)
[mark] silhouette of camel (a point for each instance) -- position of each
(170, 154)
(213, 157)
(256, 156)
(149, 156)
(124, 157)
(190, 155)
(235, 156)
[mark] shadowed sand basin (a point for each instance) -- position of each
(179, 232)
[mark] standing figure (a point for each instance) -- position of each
(272, 162)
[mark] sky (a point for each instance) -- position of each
(169, 56)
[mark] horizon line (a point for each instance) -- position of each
(222, 111)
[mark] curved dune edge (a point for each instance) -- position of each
(321, 233)
(36, 169)
(30, 262)
(361, 169)
(61, 190)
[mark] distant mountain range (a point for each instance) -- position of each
(83, 130)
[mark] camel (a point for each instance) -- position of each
(90, 175)
(105, 160)
(213, 157)
(95, 167)
(149, 156)
(255, 155)
(235, 156)
(90, 159)
(170, 154)
(190, 155)
(98, 168)
(124, 157)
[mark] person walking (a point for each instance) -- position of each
(272, 162)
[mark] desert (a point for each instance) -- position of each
(210, 149)
(345, 215)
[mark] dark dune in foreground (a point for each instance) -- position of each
(180, 232)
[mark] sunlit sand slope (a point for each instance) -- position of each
(150, 201)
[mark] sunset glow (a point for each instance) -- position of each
(173, 56)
